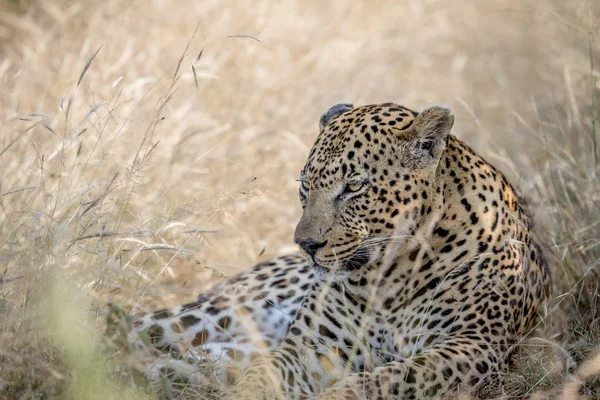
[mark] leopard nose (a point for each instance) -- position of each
(310, 245)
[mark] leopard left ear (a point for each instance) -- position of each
(332, 113)
(430, 131)
(434, 122)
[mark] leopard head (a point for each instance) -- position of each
(370, 179)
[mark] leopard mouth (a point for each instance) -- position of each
(358, 259)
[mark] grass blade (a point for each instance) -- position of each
(88, 65)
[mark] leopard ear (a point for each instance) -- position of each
(434, 122)
(332, 113)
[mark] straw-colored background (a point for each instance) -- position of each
(106, 171)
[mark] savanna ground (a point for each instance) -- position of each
(149, 148)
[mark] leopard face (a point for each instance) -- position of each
(369, 181)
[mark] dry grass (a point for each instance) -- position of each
(139, 160)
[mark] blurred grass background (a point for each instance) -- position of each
(148, 148)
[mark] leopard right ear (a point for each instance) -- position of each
(332, 113)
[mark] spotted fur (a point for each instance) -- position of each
(418, 274)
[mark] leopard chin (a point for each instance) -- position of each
(324, 273)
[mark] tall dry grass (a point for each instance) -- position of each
(148, 147)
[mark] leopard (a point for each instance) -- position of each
(418, 274)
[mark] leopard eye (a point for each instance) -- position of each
(427, 145)
(354, 186)
(305, 186)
